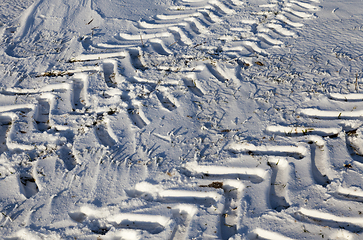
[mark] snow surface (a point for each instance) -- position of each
(181, 119)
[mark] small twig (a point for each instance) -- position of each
(199, 44)
(172, 44)
(358, 57)
(90, 22)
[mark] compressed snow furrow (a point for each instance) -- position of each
(180, 36)
(319, 151)
(196, 25)
(303, 15)
(295, 151)
(279, 179)
(166, 100)
(6, 122)
(194, 1)
(177, 195)
(183, 215)
(184, 211)
(17, 107)
(104, 133)
(268, 39)
(66, 154)
(79, 91)
(43, 111)
(48, 88)
(233, 191)
(151, 223)
(222, 8)
(57, 73)
(110, 73)
(349, 194)
(89, 57)
(28, 185)
(354, 142)
(154, 224)
(328, 219)
(159, 46)
(136, 58)
(193, 85)
(324, 114)
(284, 19)
(178, 16)
(157, 25)
(166, 82)
(319, 160)
(113, 46)
(305, 5)
(217, 72)
(189, 196)
(259, 233)
(132, 37)
(300, 131)
(238, 51)
(252, 174)
(198, 68)
(281, 30)
(210, 15)
(229, 217)
(346, 97)
(192, 22)
(136, 115)
(253, 47)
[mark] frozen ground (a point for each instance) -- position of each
(181, 119)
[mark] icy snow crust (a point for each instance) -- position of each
(181, 119)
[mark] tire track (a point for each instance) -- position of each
(233, 190)
(319, 151)
(229, 216)
(186, 199)
(126, 69)
(321, 171)
(164, 31)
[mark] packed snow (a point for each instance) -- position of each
(181, 119)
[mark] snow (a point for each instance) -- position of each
(181, 119)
